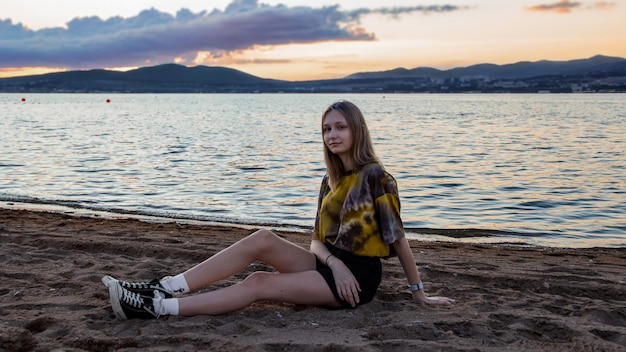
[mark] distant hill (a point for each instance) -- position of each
(520, 70)
(596, 74)
(200, 74)
(162, 78)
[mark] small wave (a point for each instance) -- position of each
(537, 204)
(252, 168)
(84, 208)
(511, 188)
(469, 235)
(450, 185)
(461, 233)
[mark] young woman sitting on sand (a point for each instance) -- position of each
(357, 223)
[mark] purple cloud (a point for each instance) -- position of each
(157, 37)
(566, 6)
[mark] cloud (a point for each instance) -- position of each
(603, 5)
(396, 11)
(566, 6)
(563, 6)
(156, 37)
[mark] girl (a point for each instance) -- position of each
(357, 223)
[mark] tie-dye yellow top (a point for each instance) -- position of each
(362, 215)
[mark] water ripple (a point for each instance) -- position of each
(543, 169)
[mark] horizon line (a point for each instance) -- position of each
(129, 69)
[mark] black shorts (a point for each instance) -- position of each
(367, 271)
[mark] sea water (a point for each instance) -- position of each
(538, 169)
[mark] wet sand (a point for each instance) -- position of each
(508, 298)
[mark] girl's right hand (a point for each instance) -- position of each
(347, 286)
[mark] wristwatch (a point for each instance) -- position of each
(416, 287)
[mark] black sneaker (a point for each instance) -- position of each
(130, 305)
(142, 288)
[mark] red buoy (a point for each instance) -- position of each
(23, 100)
(108, 100)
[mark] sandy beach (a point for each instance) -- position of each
(508, 298)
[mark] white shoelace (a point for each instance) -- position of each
(136, 300)
(132, 299)
(158, 301)
(134, 285)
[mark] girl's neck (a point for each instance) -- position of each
(348, 165)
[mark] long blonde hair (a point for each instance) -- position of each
(362, 149)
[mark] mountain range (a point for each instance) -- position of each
(595, 74)
(520, 70)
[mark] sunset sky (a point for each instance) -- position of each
(303, 39)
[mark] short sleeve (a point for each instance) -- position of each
(316, 228)
(387, 205)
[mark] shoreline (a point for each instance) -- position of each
(459, 235)
(508, 297)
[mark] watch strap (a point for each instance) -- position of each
(416, 287)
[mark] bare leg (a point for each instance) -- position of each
(263, 245)
(308, 287)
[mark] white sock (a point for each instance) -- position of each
(175, 284)
(167, 306)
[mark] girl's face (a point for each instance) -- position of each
(337, 135)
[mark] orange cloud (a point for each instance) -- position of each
(6, 72)
(233, 58)
(563, 6)
(603, 5)
(566, 6)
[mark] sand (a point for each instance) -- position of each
(508, 298)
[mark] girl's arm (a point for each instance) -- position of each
(412, 275)
(320, 251)
(347, 286)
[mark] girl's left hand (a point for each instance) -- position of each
(420, 297)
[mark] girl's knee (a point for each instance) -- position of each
(257, 278)
(264, 234)
(262, 238)
(258, 283)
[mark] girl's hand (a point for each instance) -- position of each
(420, 297)
(347, 286)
